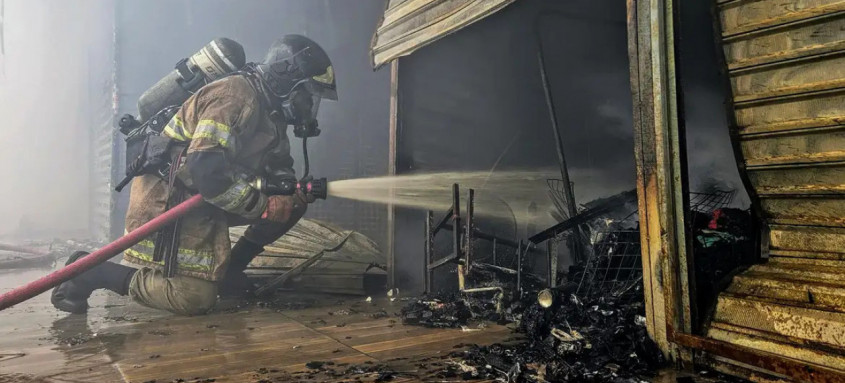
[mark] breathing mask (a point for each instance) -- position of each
(297, 74)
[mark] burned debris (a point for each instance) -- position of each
(595, 340)
(500, 301)
(574, 341)
(591, 327)
(445, 311)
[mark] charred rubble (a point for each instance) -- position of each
(592, 327)
(456, 310)
(597, 340)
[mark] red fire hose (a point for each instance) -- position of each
(85, 263)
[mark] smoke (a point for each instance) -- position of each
(710, 155)
(58, 57)
(45, 104)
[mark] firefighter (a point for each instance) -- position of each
(230, 131)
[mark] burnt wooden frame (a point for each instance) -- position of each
(661, 172)
(661, 188)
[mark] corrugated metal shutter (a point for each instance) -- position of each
(786, 61)
(411, 24)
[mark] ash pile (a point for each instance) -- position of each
(504, 303)
(591, 327)
(595, 339)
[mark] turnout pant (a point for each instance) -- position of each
(185, 295)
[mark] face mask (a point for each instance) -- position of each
(300, 110)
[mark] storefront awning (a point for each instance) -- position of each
(408, 25)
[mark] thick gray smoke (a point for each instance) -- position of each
(709, 151)
(56, 79)
(46, 81)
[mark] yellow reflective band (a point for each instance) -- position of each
(214, 125)
(142, 256)
(169, 132)
(148, 245)
(213, 130)
(326, 78)
(221, 141)
(185, 258)
(175, 129)
(235, 196)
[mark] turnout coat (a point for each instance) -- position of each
(225, 124)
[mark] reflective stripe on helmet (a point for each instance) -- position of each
(326, 78)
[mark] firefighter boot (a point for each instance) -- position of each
(72, 296)
(235, 282)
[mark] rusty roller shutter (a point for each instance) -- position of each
(408, 25)
(786, 61)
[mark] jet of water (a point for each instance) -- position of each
(504, 194)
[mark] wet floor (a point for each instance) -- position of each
(121, 341)
(39, 341)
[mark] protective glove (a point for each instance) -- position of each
(280, 208)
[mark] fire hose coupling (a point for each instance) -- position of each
(288, 185)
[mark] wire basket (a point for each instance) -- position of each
(615, 267)
(708, 202)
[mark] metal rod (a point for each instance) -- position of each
(429, 247)
(482, 289)
(456, 234)
(551, 247)
(488, 237)
(443, 221)
(494, 251)
(456, 220)
(561, 155)
(585, 216)
(392, 140)
(451, 258)
(281, 279)
(468, 240)
(519, 269)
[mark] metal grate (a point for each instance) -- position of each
(615, 267)
(708, 202)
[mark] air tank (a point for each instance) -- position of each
(217, 59)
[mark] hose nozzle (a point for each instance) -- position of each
(315, 187)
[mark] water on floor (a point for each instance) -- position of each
(295, 338)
